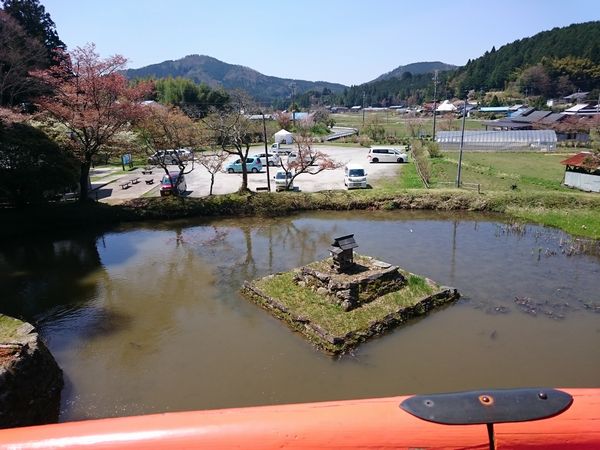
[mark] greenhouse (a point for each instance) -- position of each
(491, 141)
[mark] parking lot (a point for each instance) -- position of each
(198, 181)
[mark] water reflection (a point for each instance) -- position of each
(39, 275)
(148, 318)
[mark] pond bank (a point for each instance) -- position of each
(30, 380)
(575, 213)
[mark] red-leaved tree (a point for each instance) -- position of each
(93, 101)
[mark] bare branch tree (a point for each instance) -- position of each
(169, 137)
(233, 131)
(213, 162)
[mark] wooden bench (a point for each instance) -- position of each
(147, 171)
(150, 181)
(135, 180)
(125, 184)
(262, 188)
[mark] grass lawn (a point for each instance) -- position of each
(408, 179)
(502, 171)
(112, 170)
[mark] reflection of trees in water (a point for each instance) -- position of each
(38, 275)
(267, 245)
(298, 244)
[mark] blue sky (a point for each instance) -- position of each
(347, 42)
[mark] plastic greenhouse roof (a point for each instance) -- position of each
(525, 136)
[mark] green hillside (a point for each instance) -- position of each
(496, 68)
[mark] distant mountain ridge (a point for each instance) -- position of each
(415, 69)
(216, 73)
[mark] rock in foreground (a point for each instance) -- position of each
(30, 379)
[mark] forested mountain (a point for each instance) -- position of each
(407, 89)
(550, 64)
(215, 73)
(416, 69)
(493, 70)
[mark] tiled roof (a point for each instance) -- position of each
(581, 160)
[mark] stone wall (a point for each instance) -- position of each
(30, 379)
(352, 292)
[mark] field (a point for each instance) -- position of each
(502, 171)
(402, 124)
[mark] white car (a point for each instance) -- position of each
(273, 159)
(171, 156)
(355, 176)
(292, 157)
(283, 181)
(386, 154)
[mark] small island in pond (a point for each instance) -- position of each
(346, 299)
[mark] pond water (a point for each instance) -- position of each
(148, 318)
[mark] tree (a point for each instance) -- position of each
(307, 160)
(160, 129)
(32, 165)
(20, 54)
(375, 130)
(283, 119)
(38, 24)
(536, 81)
(213, 162)
(93, 101)
(195, 100)
(233, 131)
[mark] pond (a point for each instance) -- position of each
(148, 318)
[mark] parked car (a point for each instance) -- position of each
(252, 165)
(386, 154)
(172, 184)
(273, 159)
(170, 156)
(355, 176)
(292, 157)
(283, 181)
(280, 150)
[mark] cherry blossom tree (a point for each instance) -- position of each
(307, 160)
(93, 101)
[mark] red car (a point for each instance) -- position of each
(172, 184)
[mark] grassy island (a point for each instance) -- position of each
(327, 324)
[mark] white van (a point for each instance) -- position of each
(386, 154)
(355, 176)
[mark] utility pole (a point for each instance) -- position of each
(462, 138)
(363, 108)
(266, 150)
(435, 83)
(293, 86)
